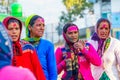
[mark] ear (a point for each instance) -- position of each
(29, 28)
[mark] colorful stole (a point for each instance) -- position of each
(103, 46)
(104, 75)
(72, 67)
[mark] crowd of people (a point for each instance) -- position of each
(35, 58)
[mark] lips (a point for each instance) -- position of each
(14, 36)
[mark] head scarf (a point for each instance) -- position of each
(71, 66)
(17, 49)
(30, 22)
(5, 47)
(95, 36)
(102, 44)
(65, 29)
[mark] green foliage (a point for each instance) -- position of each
(75, 8)
(59, 29)
(67, 17)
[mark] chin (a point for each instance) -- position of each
(103, 38)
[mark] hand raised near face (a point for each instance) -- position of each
(79, 45)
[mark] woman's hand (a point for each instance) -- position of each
(79, 45)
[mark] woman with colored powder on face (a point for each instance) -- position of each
(76, 56)
(24, 54)
(7, 71)
(108, 49)
(35, 26)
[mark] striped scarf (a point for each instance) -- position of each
(71, 66)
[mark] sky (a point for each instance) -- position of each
(50, 10)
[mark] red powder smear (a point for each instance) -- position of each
(14, 24)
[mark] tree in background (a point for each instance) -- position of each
(74, 8)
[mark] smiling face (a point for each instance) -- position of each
(14, 31)
(37, 29)
(103, 30)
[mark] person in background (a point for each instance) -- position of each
(76, 56)
(7, 71)
(24, 54)
(108, 49)
(35, 26)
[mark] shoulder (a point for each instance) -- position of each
(88, 44)
(47, 42)
(26, 45)
(92, 41)
(60, 48)
(115, 41)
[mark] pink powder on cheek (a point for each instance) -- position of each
(72, 28)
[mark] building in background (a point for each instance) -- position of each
(5, 6)
(109, 9)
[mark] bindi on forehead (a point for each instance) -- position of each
(14, 24)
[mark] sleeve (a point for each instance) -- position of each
(52, 68)
(37, 66)
(60, 62)
(91, 54)
(117, 53)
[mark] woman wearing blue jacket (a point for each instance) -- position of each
(35, 27)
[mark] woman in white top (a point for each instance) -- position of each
(108, 49)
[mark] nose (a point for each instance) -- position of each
(14, 31)
(104, 30)
(42, 27)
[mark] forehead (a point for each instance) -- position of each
(72, 28)
(13, 24)
(104, 24)
(39, 20)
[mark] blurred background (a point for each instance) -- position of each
(84, 13)
(56, 13)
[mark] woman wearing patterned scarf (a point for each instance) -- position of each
(76, 56)
(24, 54)
(108, 49)
(35, 26)
(8, 72)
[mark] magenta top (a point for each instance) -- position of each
(15, 73)
(90, 57)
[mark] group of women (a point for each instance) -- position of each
(95, 59)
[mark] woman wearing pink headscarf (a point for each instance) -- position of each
(76, 56)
